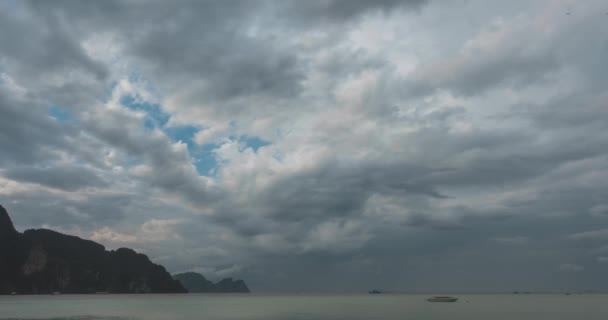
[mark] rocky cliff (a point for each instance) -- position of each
(44, 261)
(196, 282)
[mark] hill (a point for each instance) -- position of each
(40, 261)
(196, 282)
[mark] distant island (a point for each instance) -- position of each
(197, 283)
(43, 261)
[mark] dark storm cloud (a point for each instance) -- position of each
(69, 178)
(200, 39)
(43, 46)
(334, 190)
(340, 11)
(519, 162)
(29, 135)
(36, 208)
(235, 65)
(211, 41)
(331, 192)
(31, 138)
(413, 259)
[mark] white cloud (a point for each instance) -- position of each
(107, 235)
(212, 134)
(160, 229)
(151, 231)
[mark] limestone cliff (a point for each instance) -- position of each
(44, 261)
(6, 225)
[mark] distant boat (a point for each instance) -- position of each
(374, 292)
(56, 293)
(13, 293)
(442, 299)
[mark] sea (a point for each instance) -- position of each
(304, 307)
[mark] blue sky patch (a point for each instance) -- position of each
(204, 159)
(203, 156)
(60, 114)
(253, 142)
(183, 133)
(155, 117)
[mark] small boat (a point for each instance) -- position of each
(374, 292)
(442, 299)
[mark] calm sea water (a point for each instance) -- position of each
(302, 307)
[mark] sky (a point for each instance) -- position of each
(325, 145)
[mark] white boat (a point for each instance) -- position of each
(442, 299)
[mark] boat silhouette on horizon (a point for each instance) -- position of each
(442, 299)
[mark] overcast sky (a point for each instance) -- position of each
(326, 145)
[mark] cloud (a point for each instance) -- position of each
(599, 210)
(600, 234)
(336, 236)
(69, 178)
(568, 267)
(160, 229)
(165, 164)
(151, 231)
(600, 250)
(62, 52)
(394, 137)
(29, 134)
(106, 235)
(33, 207)
(339, 11)
(517, 240)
